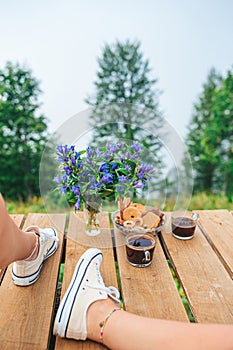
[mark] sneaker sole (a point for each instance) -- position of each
(28, 280)
(67, 303)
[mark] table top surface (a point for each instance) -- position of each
(203, 266)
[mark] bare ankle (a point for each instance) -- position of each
(96, 313)
(36, 245)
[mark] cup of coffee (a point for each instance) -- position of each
(183, 226)
(140, 249)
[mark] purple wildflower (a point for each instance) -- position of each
(73, 160)
(58, 180)
(62, 159)
(89, 161)
(138, 184)
(120, 145)
(134, 156)
(80, 164)
(90, 175)
(71, 149)
(98, 153)
(104, 168)
(127, 155)
(76, 190)
(77, 205)
(63, 150)
(63, 189)
(140, 175)
(112, 148)
(90, 152)
(107, 155)
(98, 186)
(95, 186)
(145, 168)
(59, 149)
(119, 189)
(122, 179)
(114, 166)
(67, 170)
(136, 147)
(107, 178)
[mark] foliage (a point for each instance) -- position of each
(32, 205)
(210, 139)
(202, 201)
(61, 272)
(22, 132)
(209, 201)
(222, 127)
(91, 175)
(203, 162)
(123, 77)
(125, 103)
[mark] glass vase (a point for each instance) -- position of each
(92, 216)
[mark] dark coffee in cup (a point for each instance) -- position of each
(183, 227)
(140, 249)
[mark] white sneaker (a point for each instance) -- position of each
(26, 272)
(86, 287)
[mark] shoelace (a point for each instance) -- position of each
(47, 237)
(111, 291)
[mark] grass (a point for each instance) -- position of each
(181, 293)
(202, 201)
(33, 205)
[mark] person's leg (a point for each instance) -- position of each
(126, 331)
(14, 243)
(26, 249)
(86, 311)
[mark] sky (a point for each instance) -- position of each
(61, 40)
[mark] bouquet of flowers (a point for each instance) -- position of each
(92, 175)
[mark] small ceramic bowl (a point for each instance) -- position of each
(126, 230)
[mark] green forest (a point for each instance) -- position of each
(123, 76)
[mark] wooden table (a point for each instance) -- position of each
(203, 265)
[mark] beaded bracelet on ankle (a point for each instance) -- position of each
(103, 323)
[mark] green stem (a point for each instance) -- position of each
(92, 223)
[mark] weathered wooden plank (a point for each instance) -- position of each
(149, 291)
(218, 225)
(207, 285)
(18, 219)
(26, 312)
(77, 243)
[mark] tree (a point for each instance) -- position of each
(22, 132)
(222, 124)
(210, 138)
(203, 151)
(125, 103)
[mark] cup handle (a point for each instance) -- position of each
(147, 256)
